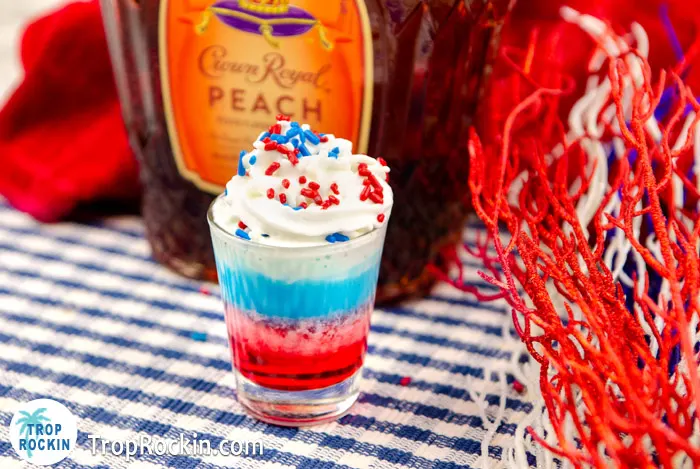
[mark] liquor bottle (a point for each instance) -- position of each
(198, 79)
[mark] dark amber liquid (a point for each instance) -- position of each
(430, 58)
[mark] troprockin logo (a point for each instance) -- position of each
(273, 19)
(43, 432)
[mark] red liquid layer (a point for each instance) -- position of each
(298, 355)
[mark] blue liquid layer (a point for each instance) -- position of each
(300, 299)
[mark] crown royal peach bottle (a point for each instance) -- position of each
(400, 78)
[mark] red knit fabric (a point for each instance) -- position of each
(62, 138)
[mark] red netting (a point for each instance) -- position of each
(602, 267)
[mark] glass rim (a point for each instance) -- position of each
(361, 240)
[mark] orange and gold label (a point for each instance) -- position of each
(229, 67)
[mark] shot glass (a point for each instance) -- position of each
(298, 320)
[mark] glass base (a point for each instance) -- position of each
(298, 408)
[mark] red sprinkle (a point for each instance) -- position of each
(283, 198)
(303, 205)
(292, 158)
(334, 188)
(314, 185)
(310, 193)
(361, 166)
(380, 217)
(365, 182)
(382, 161)
(334, 200)
(285, 183)
(282, 117)
(266, 140)
(387, 177)
(274, 166)
(302, 179)
(282, 149)
(270, 146)
(518, 386)
(318, 200)
(242, 225)
(270, 193)
(405, 381)
(323, 138)
(374, 181)
(365, 193)
(204, 290)
(275, 129)
(376, 197)
(326, 205)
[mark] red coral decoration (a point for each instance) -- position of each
(605, 298)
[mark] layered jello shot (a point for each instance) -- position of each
(298, 237)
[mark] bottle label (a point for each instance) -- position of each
(229, 67)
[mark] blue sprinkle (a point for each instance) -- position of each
(279, 138)
(264, 136)
(253, 159)
(296, 208)
(341, 238)
(312, 137)
(198, 336)
(295, 124)
(242, 234)
(296, 142)
(294, 131)
(225, 191)
(321, 135)
(265, 235)
(303, 150)
(302, 136)
(330, 238)
(241, 168)
(334, 153)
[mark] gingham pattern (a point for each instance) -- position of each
(87, 318)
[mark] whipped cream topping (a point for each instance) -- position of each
(300, 188)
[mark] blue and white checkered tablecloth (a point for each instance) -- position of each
(89, 319)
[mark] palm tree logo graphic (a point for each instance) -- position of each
(28, 419)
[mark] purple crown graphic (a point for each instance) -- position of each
(272, 19)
